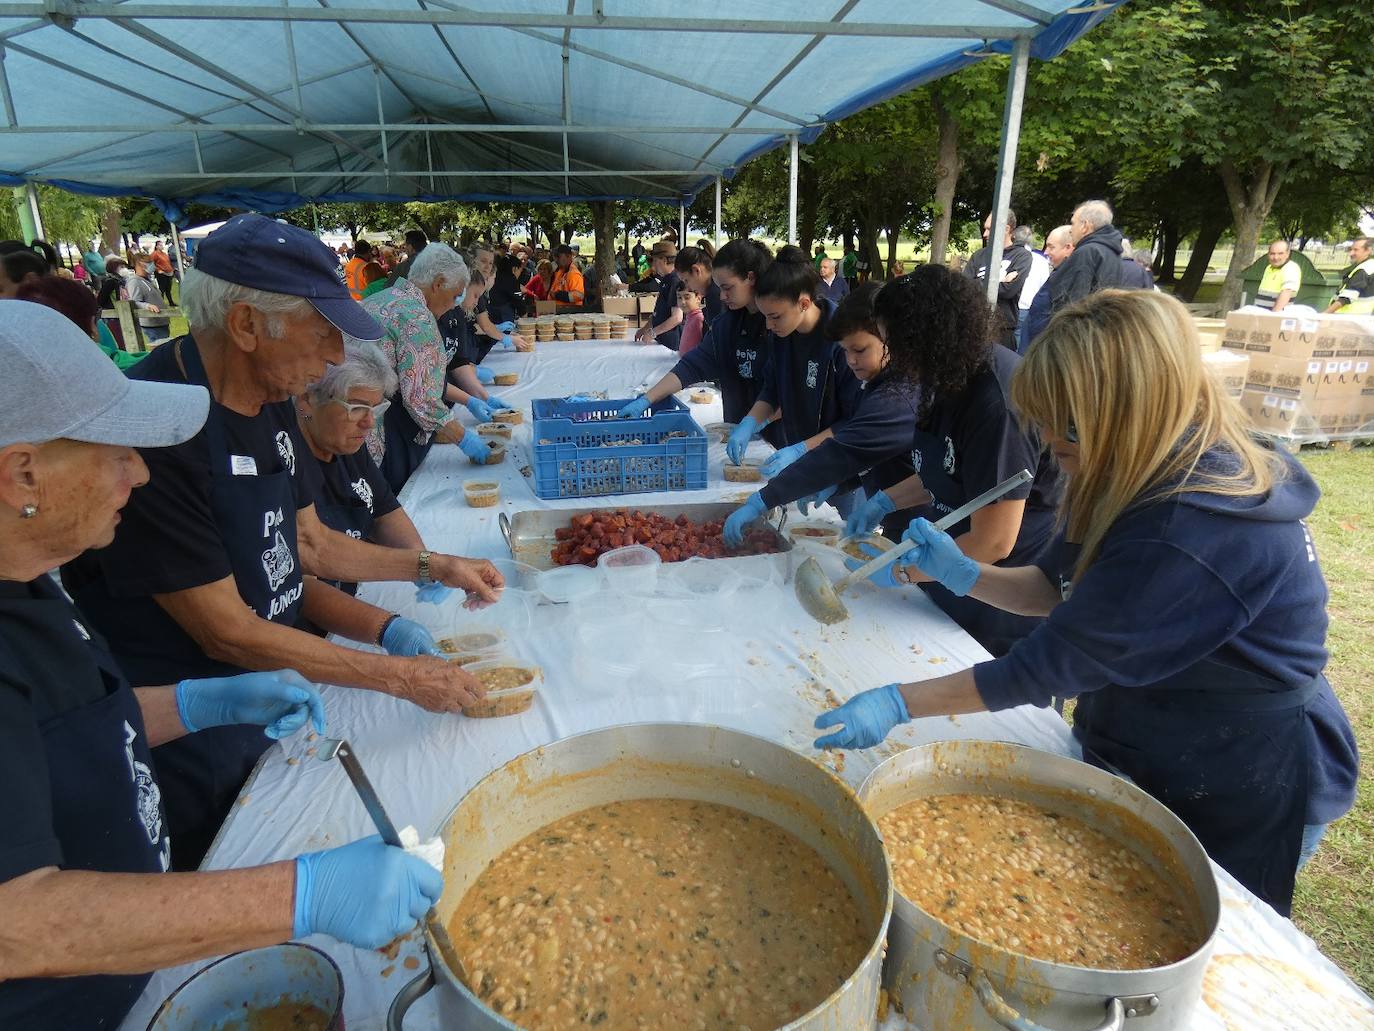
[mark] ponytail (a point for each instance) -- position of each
(789, 277)
(744, 256)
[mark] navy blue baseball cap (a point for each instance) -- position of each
(262, 253)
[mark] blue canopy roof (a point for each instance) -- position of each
(271, 105)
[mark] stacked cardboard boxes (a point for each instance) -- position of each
(1308, 378)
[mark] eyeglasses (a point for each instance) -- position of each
(1071, 433)
(357, 411)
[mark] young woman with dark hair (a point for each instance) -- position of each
(736, 348)
(968, 439)
(694, 266)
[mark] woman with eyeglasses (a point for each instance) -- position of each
(967, 439)
(1184, 607)
(336, 415)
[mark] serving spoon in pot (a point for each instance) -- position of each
(336, 748)
(821, 598)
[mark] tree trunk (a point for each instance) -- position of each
(808, 204)
(848, 238)
(1166, 260)
(868, 248)
(948, 164)
(550, 231)
(1250, 204)
(603, 232)
(109, 229)
(892, 238)
(1206, 242)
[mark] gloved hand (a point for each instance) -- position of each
(506, 327)
(485, 376)
(816, 500)
(939, 557)
(868, 717)
(364, 893)
(636, 408)
(740, 519)
(496, 404)
(432, 592)
(782, 459)
(475, 448)
(865, 518)
(407, 638)
(562, 295)
(507, 344)
(739, 440)
(481, 410)
(581, 397)
(280, 702)
(885, 577)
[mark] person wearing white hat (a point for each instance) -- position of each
(89, 909)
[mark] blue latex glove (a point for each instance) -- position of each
(507, 343)
(739, 440)
(407, 638)
(497, 404)
(281, 702)
(868, 717)
(485, 376)
(884, 577)
(636, 408)
(506, 327)
(782, 459)
(939, 557)
(865, 518)
(364, 893)
(481, 410)
(740, 519)
(816, 500)
(475, 448)
(432, 593)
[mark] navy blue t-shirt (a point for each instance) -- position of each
(663, 308)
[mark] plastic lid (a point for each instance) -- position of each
(567, 583)
(631, 555)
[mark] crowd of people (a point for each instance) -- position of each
(179, 538)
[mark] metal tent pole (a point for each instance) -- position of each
(1006, 160)
(33, 225)
(792, 193)
(681, 225)
(716, 238)
(176, 249)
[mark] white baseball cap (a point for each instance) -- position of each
(57, 384)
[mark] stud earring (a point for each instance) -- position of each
(28, 511)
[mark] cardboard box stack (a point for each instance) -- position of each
(1308, 378)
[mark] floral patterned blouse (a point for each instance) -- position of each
(412, 343)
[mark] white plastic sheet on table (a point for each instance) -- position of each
(753, 661)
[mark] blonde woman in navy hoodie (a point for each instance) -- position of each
(1184, 604)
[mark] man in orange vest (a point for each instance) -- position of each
(567, 287)
(353, 271)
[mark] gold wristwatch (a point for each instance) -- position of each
(422, 568)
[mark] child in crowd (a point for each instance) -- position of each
(693, 318)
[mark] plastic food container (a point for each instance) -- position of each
(611, 647)
(504, 430)
(745, 472)
(814, 533)
(702, 397)
(705, 579)
(511, 686)
(482, 493)
(568, 583)
(633, 569)
(507, 379)
(513, 416)
(496, 453)
(720, 430)
(470, 639)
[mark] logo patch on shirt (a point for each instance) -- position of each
(812, 371)
(84, 634)
(287, 451)
(277, 562)
(364, 491)
(916, 459)
(949, 456)
(242, 465)
(148, 802)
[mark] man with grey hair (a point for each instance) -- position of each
(1356, 295)
(1095, 263)
(216, 559)
(1058, 247)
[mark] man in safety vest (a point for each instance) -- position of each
(1356, 295)
(1279, 284)
(353, 271)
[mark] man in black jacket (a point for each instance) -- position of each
(1016, 267)
(1095, 263)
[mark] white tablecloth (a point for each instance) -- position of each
(779, 669)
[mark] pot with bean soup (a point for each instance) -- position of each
(1030, 883)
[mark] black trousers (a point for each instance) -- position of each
(164, 283)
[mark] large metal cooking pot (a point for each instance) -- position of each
(944, 979)
(664, 760)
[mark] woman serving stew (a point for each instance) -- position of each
(1184, 605)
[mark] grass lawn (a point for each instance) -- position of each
(1335, 895)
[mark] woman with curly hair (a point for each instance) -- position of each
(967, 438)
(1184, 604)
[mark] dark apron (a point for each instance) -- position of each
(202, 773)
(403, 455)
(993, 628)
(108, 816)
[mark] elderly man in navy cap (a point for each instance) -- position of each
(217, 558)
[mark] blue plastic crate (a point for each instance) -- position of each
(582, 450)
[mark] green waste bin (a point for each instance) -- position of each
(1314, 289)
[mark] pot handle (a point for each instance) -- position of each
(406, 998)
(503, 521)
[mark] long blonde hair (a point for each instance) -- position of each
(1125, 367)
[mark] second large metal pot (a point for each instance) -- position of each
(665, 760)
(945, 979)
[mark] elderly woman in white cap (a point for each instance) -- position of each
(89, 909)
(337, 413)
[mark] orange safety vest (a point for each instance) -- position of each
(569, 279)
(353, 277)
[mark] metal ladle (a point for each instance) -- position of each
(821, 598)
(335, 748)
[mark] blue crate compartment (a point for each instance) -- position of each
(583, 450)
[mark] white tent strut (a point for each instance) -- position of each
(1006, 161)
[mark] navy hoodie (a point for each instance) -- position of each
(735, 352)
(1192, 577)
(810, 381)
(875, 442)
